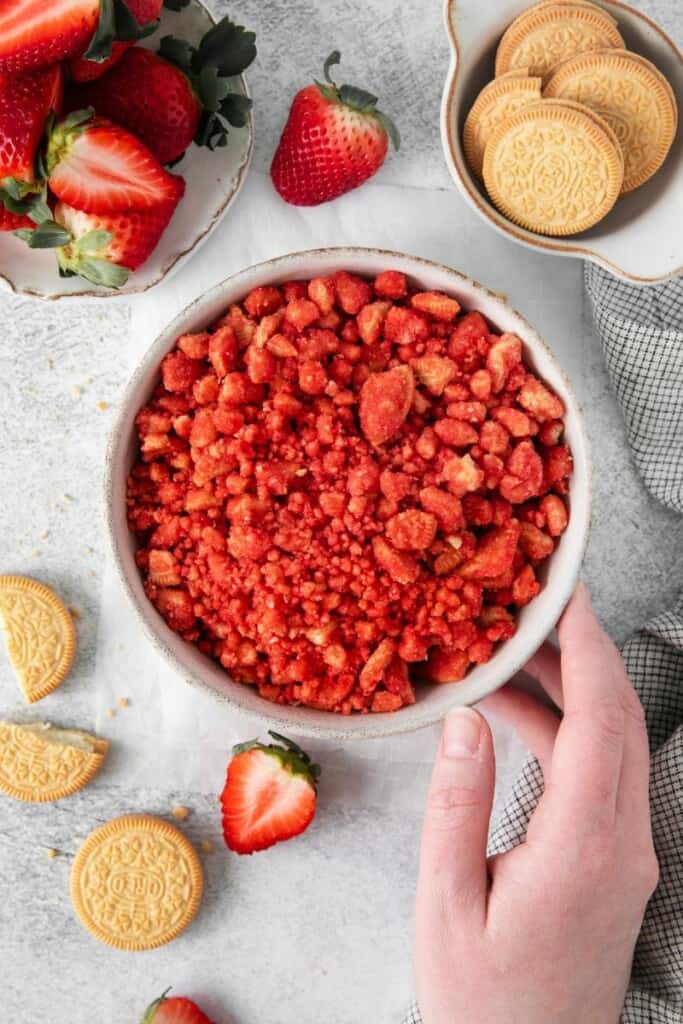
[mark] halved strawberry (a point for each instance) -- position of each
(146, 16)
(269, 794)
(98, 167)
(174, 1010)
(102, 247)
(26, 101)
(181, 94)
(34, 33)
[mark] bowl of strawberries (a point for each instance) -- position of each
(125, 134)
(347, 491)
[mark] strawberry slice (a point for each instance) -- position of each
(174, 1010)
(269, 794)
(99, 167)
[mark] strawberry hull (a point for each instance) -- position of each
(35, 33)
(145, 12)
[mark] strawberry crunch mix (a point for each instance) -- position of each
(347, 486)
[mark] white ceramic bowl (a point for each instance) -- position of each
(535, 621)
(637, 241)
(213, 181)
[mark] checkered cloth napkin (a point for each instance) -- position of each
(641, 330)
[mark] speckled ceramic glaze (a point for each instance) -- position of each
(535, 621)
(213, 181)
(636, 240)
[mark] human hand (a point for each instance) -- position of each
(543, 934)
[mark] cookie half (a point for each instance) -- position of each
(136, 883)
(41, 639)
(542, 36)
(39, 763)
(497, 100)
(632, 95)
(553, 167)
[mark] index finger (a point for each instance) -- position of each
(589, 751)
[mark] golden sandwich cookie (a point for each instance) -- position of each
(576, 3)
(136, 883)
(554, 167)
(542, 36)
(632, 95)
(39, 763)
(493, 105)
(41, 639)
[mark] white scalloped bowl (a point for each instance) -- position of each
(213, 182)
(433, 702)
(639, 240)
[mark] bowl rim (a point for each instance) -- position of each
(498, 220)
(8, 286)
(290, 717)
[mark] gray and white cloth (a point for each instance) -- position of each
(641, 330)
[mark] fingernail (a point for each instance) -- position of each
(462, 733)
(582, 592)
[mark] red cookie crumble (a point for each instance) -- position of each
(346, 487)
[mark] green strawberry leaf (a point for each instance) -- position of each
(102, 272)
(105, 34)
(235, 109)
(116, 22)
(48, 235)
(358, 99)
(211, 131)
(25, 198)
(391, 129)
(229, 47)
(178, 52)
(211, 88)
(176, 5)
(93, 241)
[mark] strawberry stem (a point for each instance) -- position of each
(116, 23)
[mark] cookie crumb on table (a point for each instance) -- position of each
(52, 854)
(103, 406)
(110, 712)
(207, 846)
(180, 813)
(123, 702)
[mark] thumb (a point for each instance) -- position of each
(453, 868)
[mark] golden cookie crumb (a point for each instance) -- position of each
(207, 846)
(123, 702)
(45, 534)
(180, 813)
(76, 391)
(52, 854)
(103, 406)
(75, 613)
(110, 712)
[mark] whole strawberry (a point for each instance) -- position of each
(334, 140)
(269, 794)
(174, 1010)
(182, 94)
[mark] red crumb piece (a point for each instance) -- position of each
(346, 488)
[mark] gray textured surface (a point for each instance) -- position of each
(310, 931)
